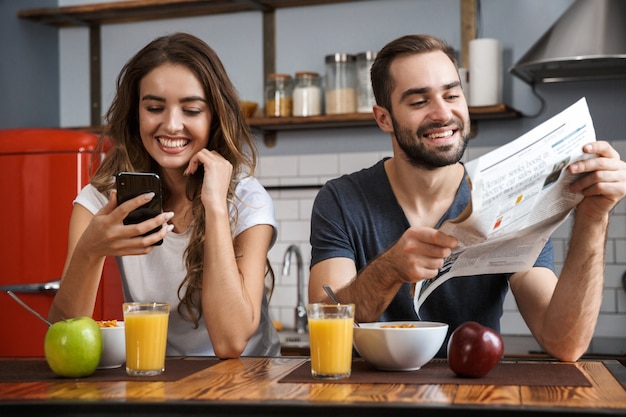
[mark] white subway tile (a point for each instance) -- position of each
(296, 193)
(609, 301)
(294, 230)
(276, 253)
(512, 323)
(277, 166)
(609, 256)
(325, 178)
(287, 209)
(288, 317)
(352, 162)
(285, 296)
(509, 302)
(611, 325)
(300, 181)
(620, 251)
(620, 208)
(564, 229)
(306, 206)
(617, 226)
(613, 276)
(269, 182)
(621, 302)
(318, 165)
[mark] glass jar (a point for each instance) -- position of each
(307, 94)
(365, 94)
(341, 84)
(278, 95)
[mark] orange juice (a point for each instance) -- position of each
(146, 339)
(330, 339)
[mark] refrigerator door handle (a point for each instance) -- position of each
(44, 287)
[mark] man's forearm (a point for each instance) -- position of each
(571, 318)
(371, 290)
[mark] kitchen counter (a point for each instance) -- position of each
(262, 386)
(295, 344)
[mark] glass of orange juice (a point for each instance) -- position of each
(145, 327)
(330, 339)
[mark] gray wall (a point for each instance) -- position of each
(29, 68)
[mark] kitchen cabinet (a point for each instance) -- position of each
(95, 15)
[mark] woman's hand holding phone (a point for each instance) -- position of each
(143, 188)
(151, 229)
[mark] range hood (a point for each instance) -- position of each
(588, 42)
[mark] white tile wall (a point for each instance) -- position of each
(293, 208)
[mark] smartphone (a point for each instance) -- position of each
(131, 184)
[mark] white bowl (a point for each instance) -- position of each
(399, 345)
(113, 346)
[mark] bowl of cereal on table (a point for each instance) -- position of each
(399, 345)
(113, 344)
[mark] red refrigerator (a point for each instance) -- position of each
(41, 171)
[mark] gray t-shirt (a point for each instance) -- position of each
(358, 217)
(157, 275)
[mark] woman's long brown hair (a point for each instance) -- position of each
(228, 135)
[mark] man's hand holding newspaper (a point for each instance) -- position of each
(519, 197)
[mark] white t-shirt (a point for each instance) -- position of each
(157, 275)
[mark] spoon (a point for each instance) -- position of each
(334, 299)
(23, 304)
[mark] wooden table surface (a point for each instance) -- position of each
(250, 386)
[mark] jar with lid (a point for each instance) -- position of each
(307, 94)
(278, 95)
(341, 84)
(364, 61)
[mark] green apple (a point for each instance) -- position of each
(73, 347)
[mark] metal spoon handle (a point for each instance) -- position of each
(330, 293)
(23, 304)
(334, 299)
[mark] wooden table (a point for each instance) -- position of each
(250, 386)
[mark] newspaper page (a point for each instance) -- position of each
(519, 196)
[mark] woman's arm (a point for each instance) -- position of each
(91, 239)
(234, 286)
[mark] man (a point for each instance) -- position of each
(374, 232)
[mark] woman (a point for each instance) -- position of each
(176, 113)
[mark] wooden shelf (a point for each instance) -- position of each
(312, 122)
(499, 111)
(141, 10)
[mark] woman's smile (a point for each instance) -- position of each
(172, 144)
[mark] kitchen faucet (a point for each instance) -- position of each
(301, 320)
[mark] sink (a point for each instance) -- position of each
(291, 338)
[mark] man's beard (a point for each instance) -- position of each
(416, 153)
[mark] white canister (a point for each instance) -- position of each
(307, 94)
(485, 69)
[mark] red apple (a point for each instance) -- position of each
(473, 350)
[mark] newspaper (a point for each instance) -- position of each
(519, 196)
